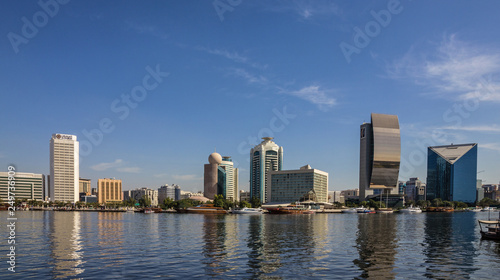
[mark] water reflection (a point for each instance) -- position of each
(450, 251)
(66, 247)
(214, 249)
(376, 243)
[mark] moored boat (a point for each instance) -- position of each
(246, 210)
(489, 229)
(350, 210)
(291, 209)
(384, 211)
(206, 209)
(411, 209)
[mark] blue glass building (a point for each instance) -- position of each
(452, 172)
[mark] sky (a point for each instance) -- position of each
(151, 88)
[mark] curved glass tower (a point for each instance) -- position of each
(267, 156)
(380, 154)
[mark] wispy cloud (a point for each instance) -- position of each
(186, 177)
(119, 165)
(146, 29)
(459, 69)
(491, 146)
(315, 95)
(232, 55)
(250, 78)
(161, 175)
(479, 128)
(107, 165)
(129, 169)
(305, 9)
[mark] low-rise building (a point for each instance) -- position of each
(244, 196)
(28, 186)
(305, 183)
(137, 194)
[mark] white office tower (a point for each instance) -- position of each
(265, 157)
(64, 168)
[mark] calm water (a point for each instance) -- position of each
(76, 245)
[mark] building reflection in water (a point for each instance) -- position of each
(449, 248)
(376, 243)
(281, 242)
(214, 249)
(66, 244)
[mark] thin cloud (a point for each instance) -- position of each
(162, 175)
(306, 9)
(315, 95)
(151, 30)
(459, 69)
(250, 78)
(479, 128)
(107, 165)
(491, 146)
(129, 169)
(186, 177)
(231, 55)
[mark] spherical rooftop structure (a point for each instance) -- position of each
(214, 158)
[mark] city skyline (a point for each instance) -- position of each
(138, 84)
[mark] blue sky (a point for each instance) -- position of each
(305, 72)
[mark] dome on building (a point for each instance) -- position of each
(215, 158)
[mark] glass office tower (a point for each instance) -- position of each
(452, 172)
(265, 157)
(380, 155)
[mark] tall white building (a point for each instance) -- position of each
(230, 190)
(64, 168)
(265, 157)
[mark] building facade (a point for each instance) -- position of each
(137, 194)
(27, 186)
(167, 191)
(85, 186)
(452, 172)
(244, 196)
(109, 190)
(415, 190)
(220, 177)
(380, 155)
(64, 168)
(298, 185)
(265, 157)
(491, 191)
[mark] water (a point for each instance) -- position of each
(78, 245)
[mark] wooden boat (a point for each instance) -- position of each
(291, 209)
(384, 211)
(205, 209)
(491, 229)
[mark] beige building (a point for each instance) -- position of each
(109, 190)
(85, 186)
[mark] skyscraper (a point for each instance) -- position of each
(220, 177)
(64, 168)
(380, 155)
(452, 172)
(264, 157)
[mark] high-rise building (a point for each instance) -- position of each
(211, 175)
(27, 186)
(298, 185)
(452, 172)
(109, 190)
(380, 155)
(85, 186)
(177, 193)
(265, 157)
(220, 177)
(64, 168)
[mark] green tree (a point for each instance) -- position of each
(437, 202)
(244, 204)
(447, 203)
(145, 201)
(168, 203)
(219, 200)
(255, 202)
